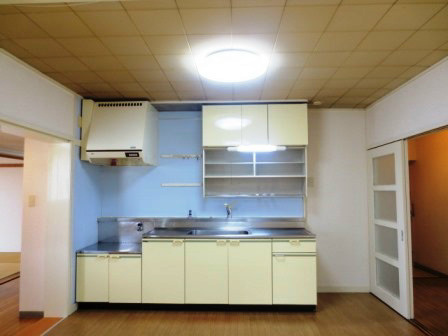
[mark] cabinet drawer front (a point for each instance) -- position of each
(294, 245)
(92, 276)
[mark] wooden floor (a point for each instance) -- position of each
(339, 314)
(431, 304)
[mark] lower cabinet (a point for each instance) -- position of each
(163, 271)
(206, 271)
(108, 278)
(250, 271)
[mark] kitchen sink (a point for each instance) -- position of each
(211, 232)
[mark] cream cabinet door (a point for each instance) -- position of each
(206, 272)
(250, 272)
(221, 125)
(288, 124)
(163, 271)
(92, 278)
(125, 278)
(254, 124)
(294, 279)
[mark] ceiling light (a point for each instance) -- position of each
(256, 148)
(232, 65)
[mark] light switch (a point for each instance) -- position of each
(31, 201)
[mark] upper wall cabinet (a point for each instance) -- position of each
(257, 124)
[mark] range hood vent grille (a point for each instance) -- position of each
(120, 104)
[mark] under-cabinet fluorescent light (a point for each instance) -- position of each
(232, 65)
(256, 148)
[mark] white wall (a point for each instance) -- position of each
(337, 198)
(30, 99)
(10, 209)
(418, 106)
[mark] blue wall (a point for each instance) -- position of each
(137, 191)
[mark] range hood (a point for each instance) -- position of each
(119, 133)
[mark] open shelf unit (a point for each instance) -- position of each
(273, 174)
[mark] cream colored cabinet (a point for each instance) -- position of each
(221, 125)
(125, 278)
(250, 271)
(92, 278)
(163, 271)
(206, 271)
(254, 124)
(288, 124)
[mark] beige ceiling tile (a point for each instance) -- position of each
(290, 59)
(115, 76)
(384, 40)
(421, 1)
(19, 26)
(412, 72)
(279, 74)
(257, 3)
(327, 59)
(83, 76)
(306, 18)
(127, 86)
(65, 64)
(105, 95)
(274, 94)
(205, 44)
(380, 93)
(372, 83)
(431, 59)
(138, 94)
(302, 94)
(343, 105)
(444, 47)
(169, 62)
(149, 4)
(207, 21)
(369, 100)
(256, 20)
(439, 21)
(43, 8)
(411, 16)
(350, 100)
(61, 24)
(339, 41)
(387, 71)
(331, 92)
(139, 62)
(156, 75)
(426, 39)
(326, 99)
(279, 85)
(340, 83)
(126, 45)
(84, 46)
(96, 6)
(355, 72)
(98, 87)
(365, 58)
(111, 23)
(13, 48)
(309, 84)
(58, 77)
(191, 95)
(367, 2)
(259, 43)
(317, 73)
(357, 92)
(312, 2)
(99, 63)
(77, 88)
(43, 47)
(203, 3)
(357, 18)
(8, 9)
(405, 57)
(163, 95)
(296, 42)
(246, 94)
(181, 75)
(168, 44)
(158, 22)
(156, 86)
(186, 85)
(38, 64)
(395, 83)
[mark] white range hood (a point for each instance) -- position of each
(119, 133)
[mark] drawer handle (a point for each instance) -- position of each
(294, 242)
(102, 256)
(115, 257)
(220, 242)
(235, 243)
(177, 242)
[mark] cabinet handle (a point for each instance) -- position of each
(177, 242)
(235, 242)
(220, 242)
(115, 257)
(294, 242)
(102, 256)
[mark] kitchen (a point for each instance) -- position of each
(318, 182)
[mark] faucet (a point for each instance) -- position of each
(228, 210)
(139, 226)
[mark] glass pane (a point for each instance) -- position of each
(386, 241)
(384, 170)
(385, 205)
(387, 277)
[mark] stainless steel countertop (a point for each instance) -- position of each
(111, 248)
(254, 233)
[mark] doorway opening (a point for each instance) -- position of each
(428, 188)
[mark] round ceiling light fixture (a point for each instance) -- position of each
(232, 65)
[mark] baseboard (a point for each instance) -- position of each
(9, 278)
(343, 289)
(430, 270)
(31, 314)
(10, 257)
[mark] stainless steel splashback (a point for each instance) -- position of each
(125, 229)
